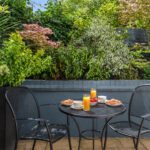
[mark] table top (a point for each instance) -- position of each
(98, 111)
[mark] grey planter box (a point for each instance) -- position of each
(52, 92)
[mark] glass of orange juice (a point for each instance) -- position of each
(93, 93)
(86, 102)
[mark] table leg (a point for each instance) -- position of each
(69, 137)
(104, 131)
(93, 133)
(105, 139)
(79, 131)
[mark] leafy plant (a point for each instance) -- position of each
(139, 61)
(99, 54)
(135, 14)
(147, 72)
(19, 62)
(109, 11)
(6, 26)
(68, 18)
(21, 10)
(108, 53)
(36, 37)
(54, 19)
(68, 62)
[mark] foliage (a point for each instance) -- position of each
(37, 37)
(109, 11)
(135, 14)
(69, 18)
(139, 61)
(6, 26)
(4, 9)
(12, 15)
(109, 54)
(147, 72)
(79, 12)
(53, 18)
(4, 73)
(90, 47)
(98, 54)
(68, 62)
(19, 61)
(21, 10)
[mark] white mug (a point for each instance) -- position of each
(102, 99)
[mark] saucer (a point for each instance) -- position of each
(76, 108)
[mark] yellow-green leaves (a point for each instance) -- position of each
(4, 9)
(19, 62)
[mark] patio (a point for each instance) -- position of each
(113, 144)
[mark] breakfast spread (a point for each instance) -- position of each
(67, 102)
(114, 102)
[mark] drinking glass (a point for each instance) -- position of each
(93, 93)
(86, 102)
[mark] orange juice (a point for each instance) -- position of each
(86, 103)
(93, 93)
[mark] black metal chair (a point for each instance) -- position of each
(28, 121)
(138, 115)
(8, 136)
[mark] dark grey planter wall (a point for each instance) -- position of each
(52, 92)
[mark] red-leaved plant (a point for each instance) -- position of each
(37, 37)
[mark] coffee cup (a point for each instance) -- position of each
(102, 99)
(77, 104)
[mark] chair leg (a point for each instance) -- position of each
(79, 142)
(33, 144)
(51, 145)
(137, 143)
(134, 142)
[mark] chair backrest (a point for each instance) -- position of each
(140, 101)
(23, 102)
(8, 126)
(11, 134)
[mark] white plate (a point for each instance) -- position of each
(113, 105)
(77, 108)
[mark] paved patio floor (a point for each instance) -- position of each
(113, 144)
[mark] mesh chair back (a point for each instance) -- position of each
(140, 101)
(10, 128)
(23, 102)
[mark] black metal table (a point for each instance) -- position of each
(100, 111)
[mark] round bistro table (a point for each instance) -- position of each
(100, 111)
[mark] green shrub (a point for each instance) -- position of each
(134, 14)
(99, 54)
(109, 11)
(71, 17)
(108, 53)
(54, 19)
(139, 62)
(147, 72)
(6, 25)
(21, 10)
(4, 73)
(68, 62)
(20, 62)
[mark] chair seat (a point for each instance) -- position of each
(39, 131)
(127, 129)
